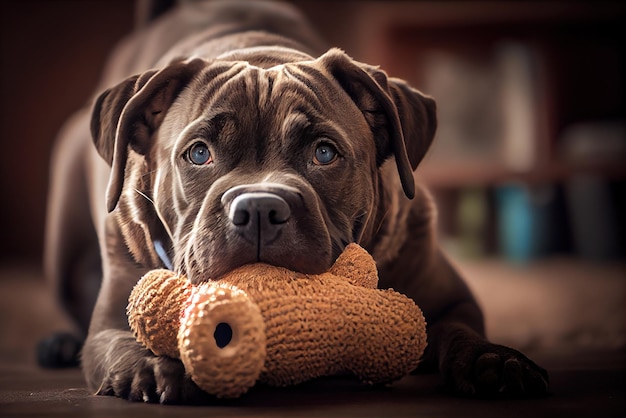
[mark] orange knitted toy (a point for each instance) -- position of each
(269, 324)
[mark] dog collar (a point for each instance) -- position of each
(160, 250)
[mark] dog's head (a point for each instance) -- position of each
(230, 162)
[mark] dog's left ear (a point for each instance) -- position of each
(402, 119)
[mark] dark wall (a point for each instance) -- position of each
(51, 54)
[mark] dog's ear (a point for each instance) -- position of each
(402, 119)
(127, 115)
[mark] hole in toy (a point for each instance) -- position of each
(223, 334)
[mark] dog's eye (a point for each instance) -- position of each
(325, 153)
(199, 154)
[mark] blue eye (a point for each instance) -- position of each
(199, 154)
(325, 154)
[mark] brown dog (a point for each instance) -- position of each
(239, 140)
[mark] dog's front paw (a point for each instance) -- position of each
(154, 379)
(490, 370)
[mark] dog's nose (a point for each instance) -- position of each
(259, 215)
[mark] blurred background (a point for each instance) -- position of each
(528, 167)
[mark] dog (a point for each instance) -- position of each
(225, 133)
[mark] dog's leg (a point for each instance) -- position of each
(113, 362)
(470, 364)
(71, 254)
(457, 346)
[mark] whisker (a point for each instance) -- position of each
(148, 173)
(382, 221)
(145, 196)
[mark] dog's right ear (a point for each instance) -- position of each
(402, 119)
(126, 116)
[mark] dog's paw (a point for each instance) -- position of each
(154, 379)
(59, 350)
(490, 370)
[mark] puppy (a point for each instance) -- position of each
(225, 134)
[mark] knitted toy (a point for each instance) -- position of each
(272, 325)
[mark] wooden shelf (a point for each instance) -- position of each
(452, 174)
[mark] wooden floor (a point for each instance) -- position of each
(577, 391)
(585, 381)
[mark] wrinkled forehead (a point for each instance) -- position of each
(289, 101)
(239, 87)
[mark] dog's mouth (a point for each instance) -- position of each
(216, 260)
(266, 222)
